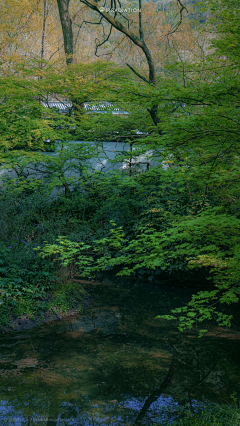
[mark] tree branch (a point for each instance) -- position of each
(114, 22)
(139, 75)
(182, 8)
(141, 34)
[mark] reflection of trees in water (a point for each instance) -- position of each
(165, 385)
(156, 393)
(150, 359)
(207, 368)
(53, 413)
(191, 371)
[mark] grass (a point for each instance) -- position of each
(209, 415)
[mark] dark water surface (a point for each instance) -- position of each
(101, 366)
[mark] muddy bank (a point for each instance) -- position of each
(27, 322)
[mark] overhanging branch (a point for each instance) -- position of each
(139, 75)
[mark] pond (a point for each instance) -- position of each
(114, 363)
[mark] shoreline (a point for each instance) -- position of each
(27, 322)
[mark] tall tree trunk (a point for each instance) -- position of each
(44, 31)
(69, 45)
(66, 22)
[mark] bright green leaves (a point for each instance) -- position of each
(69, 253)
(188, 240)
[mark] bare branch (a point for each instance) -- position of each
(111, 53)
(123, 29)
(76, 39)
(139, 75)
(182, 8)
(103, 42)
(54, 53)
(141, 34)
(114, 22)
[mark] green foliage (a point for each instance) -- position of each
(180, 220)
(201, 143)
(26, 282)
(189, 235)
(211, 233)
(110, 127)
(66, 295)
(67, 252)
(207, 415)
(26, 124)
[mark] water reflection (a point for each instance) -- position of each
(114, 364)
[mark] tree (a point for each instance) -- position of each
(192, 217)
(201, 146)
(44, 31)
(29, 30)
(116, 22)
(26, 124)
(67, 29)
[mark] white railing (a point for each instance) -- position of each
(99, 107)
